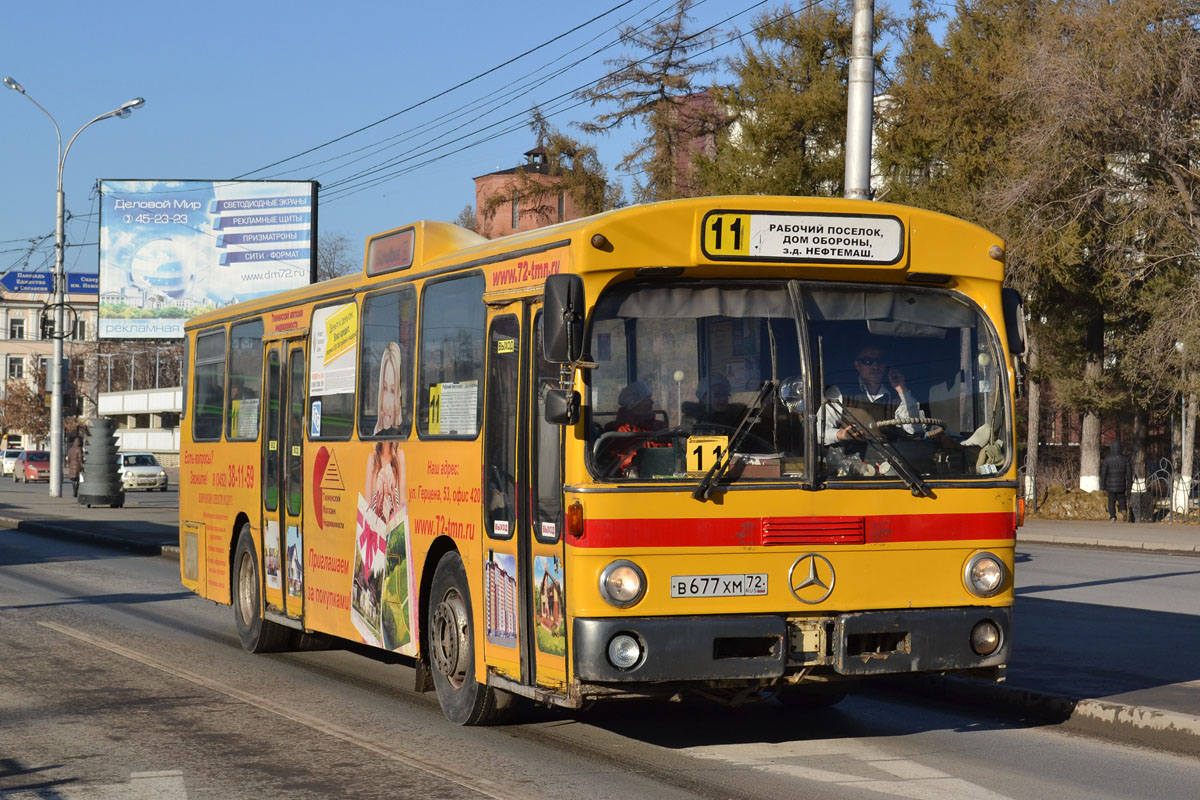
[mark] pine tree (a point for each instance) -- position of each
(657, 90)
(788, 107)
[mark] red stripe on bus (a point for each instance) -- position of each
(748, 532)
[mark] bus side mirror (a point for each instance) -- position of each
(562, 407)
(562, 331)
(1014, 320)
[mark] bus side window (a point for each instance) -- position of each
(209, 385)
(245, 380)
(548, 518)
(385, 367)
(449, 392)
(333, 363)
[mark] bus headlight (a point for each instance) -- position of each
(985, 638)
(622, 583)
(984, 574)
(624, 651)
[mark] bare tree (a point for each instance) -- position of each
(335, 257)
(466, 218)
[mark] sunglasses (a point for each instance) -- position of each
(869, 362)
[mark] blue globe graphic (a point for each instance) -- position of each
(158, 266)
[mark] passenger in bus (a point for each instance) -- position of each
(881, 394)
(714, 406)
(635, 413)
(391, 394)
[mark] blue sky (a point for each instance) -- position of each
(231, 88)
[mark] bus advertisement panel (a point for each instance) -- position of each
(172, 249)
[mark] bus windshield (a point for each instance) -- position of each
(903, 380)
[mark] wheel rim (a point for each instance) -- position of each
(247, 591)
(450, 644)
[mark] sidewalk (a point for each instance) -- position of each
(1150, 536)
(1148, 700)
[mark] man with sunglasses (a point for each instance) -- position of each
(881, 394)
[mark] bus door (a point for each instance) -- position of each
(523, 547)
(283, 478)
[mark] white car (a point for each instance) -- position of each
(141, 471)
(7, 459)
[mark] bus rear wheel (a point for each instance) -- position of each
(451, 629)
(257, 634)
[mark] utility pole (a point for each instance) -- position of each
(860, 102)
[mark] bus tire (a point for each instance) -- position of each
(451, 629)
(257, 634)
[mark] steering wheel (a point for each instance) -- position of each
(937, 425)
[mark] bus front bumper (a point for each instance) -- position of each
(708, 648)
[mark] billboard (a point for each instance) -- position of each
(170, 250)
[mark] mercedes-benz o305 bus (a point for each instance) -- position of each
(751, 447)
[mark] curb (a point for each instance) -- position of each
(1139, 725)
(1110, 544)
(46, 528)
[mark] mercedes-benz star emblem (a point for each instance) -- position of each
(811, 578)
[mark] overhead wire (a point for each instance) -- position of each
(519, 86)
(442, 93)
(340, 189)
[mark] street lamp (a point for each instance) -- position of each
(56, 399)
(109, 356)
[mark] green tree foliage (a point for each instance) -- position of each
(788, 106)
(655, 90)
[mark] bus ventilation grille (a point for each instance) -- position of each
(783, 531)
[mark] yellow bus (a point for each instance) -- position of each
(751, 447)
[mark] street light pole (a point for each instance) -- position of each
(60, 280)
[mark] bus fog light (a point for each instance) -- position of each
(624, 651)
(984, 574)
(985, 637)
(622, 583)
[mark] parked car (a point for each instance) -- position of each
(32, 465)
(141, 471)
(8, 460)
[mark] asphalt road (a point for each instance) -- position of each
(1107, 630)
(119, 684)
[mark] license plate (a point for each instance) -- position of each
(748, 584)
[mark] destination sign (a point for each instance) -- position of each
(863, 239)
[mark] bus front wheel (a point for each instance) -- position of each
(451, 629)
(257, 634)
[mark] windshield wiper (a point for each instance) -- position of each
(705, 488)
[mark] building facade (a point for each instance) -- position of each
(27, 351)
(503, 208)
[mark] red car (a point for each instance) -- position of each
(32, 465)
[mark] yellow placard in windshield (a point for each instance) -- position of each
(703, 452)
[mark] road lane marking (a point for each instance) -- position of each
(917, 781)
(481, 786)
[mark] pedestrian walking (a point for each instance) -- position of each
(1116, 479)
(75, 464)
